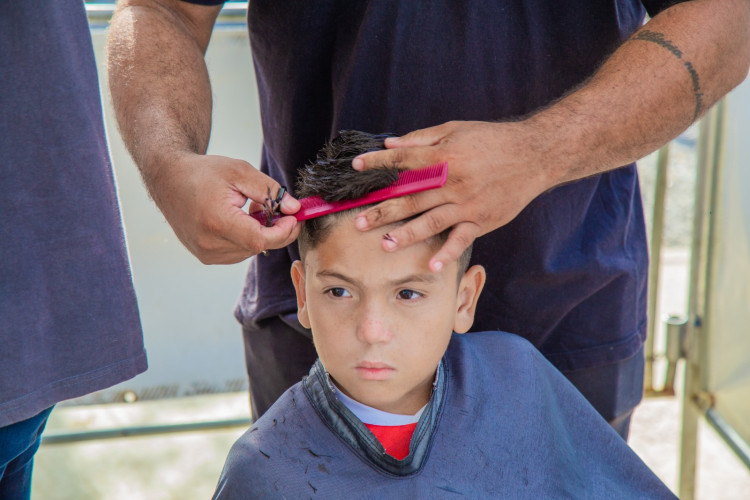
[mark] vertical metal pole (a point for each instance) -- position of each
(688, 436)
(689, 420)
(657, 231)
(704, 187)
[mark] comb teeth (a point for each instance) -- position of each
(408, 182)
(438, 171)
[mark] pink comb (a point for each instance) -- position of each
(408, 182)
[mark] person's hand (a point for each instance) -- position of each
(202, 196)
(494, 171)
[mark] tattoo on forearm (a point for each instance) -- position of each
(658, 38)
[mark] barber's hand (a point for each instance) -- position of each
(494, 171)
(202, 197)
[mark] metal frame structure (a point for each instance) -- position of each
(697, 399)
(686, 338)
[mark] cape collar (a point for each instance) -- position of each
(352, 431)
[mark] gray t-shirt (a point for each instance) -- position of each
(69, 322)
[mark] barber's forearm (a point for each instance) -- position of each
(162, 98)
(159, 82)
(652, 88)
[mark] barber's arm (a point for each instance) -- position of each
(162, 98)
(651, 89)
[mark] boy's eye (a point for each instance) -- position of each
(408, 295)
(338, 292)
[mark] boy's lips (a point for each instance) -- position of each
(370, 370)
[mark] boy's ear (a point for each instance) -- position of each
(469, 288)
(298, 278)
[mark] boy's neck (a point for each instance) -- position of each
(353, 404)
(374, 416)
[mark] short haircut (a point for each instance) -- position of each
(332, 177)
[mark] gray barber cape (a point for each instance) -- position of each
(502, 423)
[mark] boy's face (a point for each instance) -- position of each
(381, 321)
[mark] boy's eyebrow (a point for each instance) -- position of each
(417, 278)
(333, 274)
(412, 278)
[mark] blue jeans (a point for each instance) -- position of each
(18, 444)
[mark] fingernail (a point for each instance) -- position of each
(290, 203)
(388, 242)
(437, 266)
(391, 140)
(360, 223)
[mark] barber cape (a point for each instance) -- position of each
(502, 423)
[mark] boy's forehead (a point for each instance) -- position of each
(347, 250)
(344, 231)
(345, 241)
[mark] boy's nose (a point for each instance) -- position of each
(373, 327)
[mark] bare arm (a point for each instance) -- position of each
(652, 88)
(162, 97)
(659, 82)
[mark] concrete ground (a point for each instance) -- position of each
(186, 465)
(655, 437)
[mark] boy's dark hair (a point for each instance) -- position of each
(332, 177)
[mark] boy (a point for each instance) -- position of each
(398, 405)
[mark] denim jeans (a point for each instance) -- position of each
(18, 444)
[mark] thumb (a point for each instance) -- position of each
(259, 187)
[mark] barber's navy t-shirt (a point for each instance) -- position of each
(569, 272)
(69, 322)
